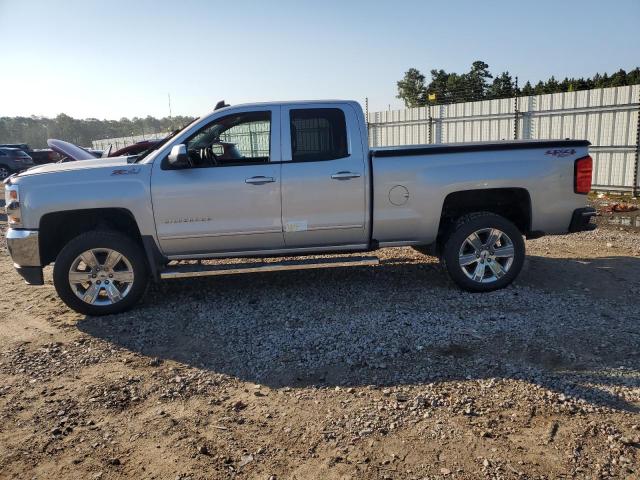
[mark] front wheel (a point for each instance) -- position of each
(101, 273)
(485, 252)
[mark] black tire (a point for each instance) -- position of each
(97, 240)
(4, 172)
(466, 226)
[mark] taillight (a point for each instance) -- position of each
(583, 171)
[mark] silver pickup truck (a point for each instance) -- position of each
(290, 179)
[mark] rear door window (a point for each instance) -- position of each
(318, 134)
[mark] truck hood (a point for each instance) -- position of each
(78, 165)
(70, 150)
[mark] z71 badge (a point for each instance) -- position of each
(126, 171)
(560, 152)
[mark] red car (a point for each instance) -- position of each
(136, 148)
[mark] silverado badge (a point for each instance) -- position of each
(187, 220)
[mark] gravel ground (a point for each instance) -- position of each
(380, 372)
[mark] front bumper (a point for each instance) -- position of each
(24, 249)
(581, 220)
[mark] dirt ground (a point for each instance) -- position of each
(380, 372)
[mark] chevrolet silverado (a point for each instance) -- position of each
(290, 179)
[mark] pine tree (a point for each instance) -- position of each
(503, 86)
(527, 90)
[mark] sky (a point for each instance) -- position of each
(113, 59)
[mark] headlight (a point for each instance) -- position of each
(12, 202)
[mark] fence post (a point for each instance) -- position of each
(636, 171)
(516, 113)
(366, 119)
(430, 139)
(438, 122)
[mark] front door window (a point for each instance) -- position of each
(238, 139)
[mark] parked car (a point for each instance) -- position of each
(130, 150)
(288, 179)
(20, 146)
(39, 156)
(13, 160)
(68, 152)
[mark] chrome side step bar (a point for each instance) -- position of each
(187, 271)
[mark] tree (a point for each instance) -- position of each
(476, 81)
(411, 89)
(633, 77)
(503, 86)
(552, 86)
(438, 89)
(618, 79)
(527, 90)
(474, 85)
(36, 130)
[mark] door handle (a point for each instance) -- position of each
(345, 175)
(260, 180)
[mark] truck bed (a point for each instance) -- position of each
(411, 183)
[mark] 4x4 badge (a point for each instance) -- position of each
(560, 152)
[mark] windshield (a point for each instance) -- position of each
(164, 141)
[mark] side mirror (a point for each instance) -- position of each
(179, 157)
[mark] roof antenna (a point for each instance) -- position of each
(220, 105)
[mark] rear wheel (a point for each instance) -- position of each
(485, 252)
(101, 273)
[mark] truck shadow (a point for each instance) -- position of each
(399, 324)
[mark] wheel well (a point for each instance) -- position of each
(57, 229)
(512, 203)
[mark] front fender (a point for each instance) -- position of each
(125, 187)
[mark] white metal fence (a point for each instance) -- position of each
(607, 117)
(121, 142)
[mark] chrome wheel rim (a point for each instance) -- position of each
(101, 276)
(4, 173)
(486, 255)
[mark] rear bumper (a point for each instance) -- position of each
(24, 249)
(581, 220)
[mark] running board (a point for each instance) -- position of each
(187, 271)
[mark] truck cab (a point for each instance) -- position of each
(296, 177)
